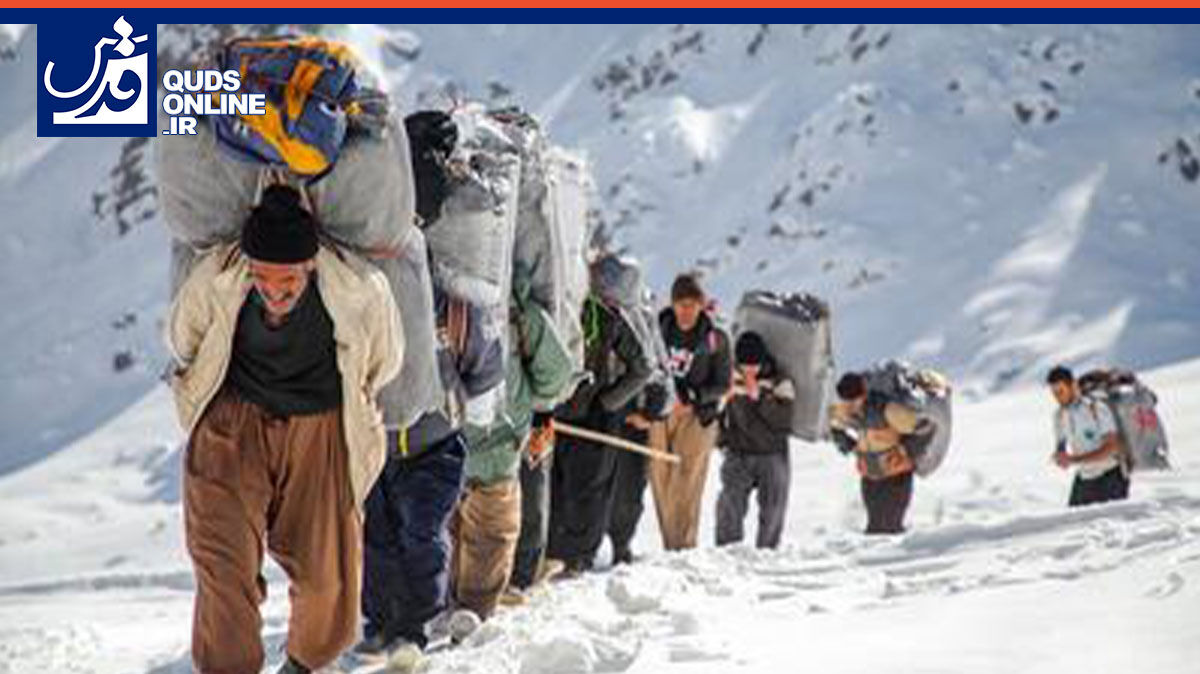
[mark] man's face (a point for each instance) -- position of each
(687, 312)
(858, 404)
(280, 285)
(1063, 391)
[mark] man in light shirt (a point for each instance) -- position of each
(1086, 437)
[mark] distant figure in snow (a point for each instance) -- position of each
(878, 431)
(1085, 436)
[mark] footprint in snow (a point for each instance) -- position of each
(1169, 586)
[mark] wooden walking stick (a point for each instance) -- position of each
(619, 443)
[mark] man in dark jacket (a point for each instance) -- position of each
(701, 365)
(755, 427)
(407, 552)
(406, 560)
(582, 483)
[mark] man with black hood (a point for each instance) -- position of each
(754, 435)
(583, 474)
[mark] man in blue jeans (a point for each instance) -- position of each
(407, 553)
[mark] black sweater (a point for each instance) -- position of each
(700, 362)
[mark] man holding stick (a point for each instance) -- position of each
(584, 470)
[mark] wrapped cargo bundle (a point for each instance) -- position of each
(338, 144)
(929, 394)
(797, 332)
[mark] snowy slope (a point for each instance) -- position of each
(987, 199)
(83, 300)
(994, 576)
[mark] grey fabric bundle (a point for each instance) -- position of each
(552, 228)
(365, 203)
(796, 329)
(418, 387)
(472, 242)
(568, 186)
(1133, 406)
(930, 395)
(619, 282)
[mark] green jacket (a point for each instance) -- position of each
(537, 370)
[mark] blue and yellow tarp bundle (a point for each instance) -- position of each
(312, 89)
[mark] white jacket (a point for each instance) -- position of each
(203, 319)
(1082, 427)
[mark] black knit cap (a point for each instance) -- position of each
(687, 287)
(280, 229)
(750, 349)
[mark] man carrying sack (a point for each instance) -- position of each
(281, 347)
(584, 470)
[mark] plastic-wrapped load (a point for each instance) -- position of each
(553, 227)
(1133, 404)
(205, 193)
(472, 241)
(797, 332)
(928, 393)
(351, 162)
(418, 387)
(365, 202)
(568, 186)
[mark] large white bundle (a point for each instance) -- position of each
(472, 241)
(796, 329)
(568, 186)
(418, 387)
(366, 201)
(929, 393)
(1133, 404)
(205, 193)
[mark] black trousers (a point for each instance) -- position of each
(632, 475)
(535, 520)
(887, 501)
(1111, 486)
(583, 478)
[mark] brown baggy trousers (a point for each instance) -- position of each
(485, 529)
(251, 479)
(678, 488)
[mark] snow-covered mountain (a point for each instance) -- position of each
(987, 199)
